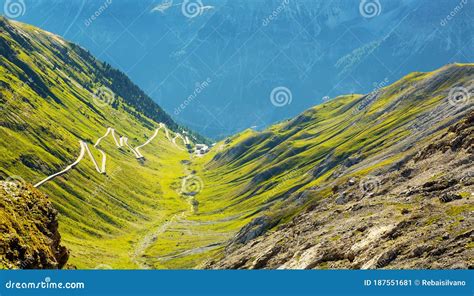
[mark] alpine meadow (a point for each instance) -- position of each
(99, 171)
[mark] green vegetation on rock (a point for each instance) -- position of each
(176, 210)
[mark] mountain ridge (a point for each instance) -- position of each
(118, 83)
(98, 213)
(394, 123)
(174, 209)
(403, 221)
(299, 48)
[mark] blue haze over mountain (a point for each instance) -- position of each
(314, 48)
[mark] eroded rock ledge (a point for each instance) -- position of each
(419, 217)
(29, 237)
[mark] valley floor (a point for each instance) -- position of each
(382, 180)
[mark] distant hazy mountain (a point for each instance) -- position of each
(382, 180)
(245, 49)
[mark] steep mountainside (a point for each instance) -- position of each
(255, 183)
(247, 48)
(344, 174)
(53, 95)
(414, 213)
(349, 183)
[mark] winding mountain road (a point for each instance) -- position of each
(121, 142)
(146, 241)
(178, 135)
(81, 156)
(148, 141)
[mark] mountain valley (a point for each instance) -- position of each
(381, 180)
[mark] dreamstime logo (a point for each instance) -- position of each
(47, 283)
(281, 96)
(104, 97)
(101, 188)
(286, 178)
(418, 125)
(369, 185)
(97, 13)
(369, 98)
(14, 8)
(459, 96)
(13, 185)
(199, 88)
(275, 13)
(453, 13)
(192, 8)
(370, 8)
(192, 185)
(27, 263)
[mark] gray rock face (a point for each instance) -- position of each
(255, 228)
(420, 218)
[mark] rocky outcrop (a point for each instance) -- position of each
(457, 137)
(416, 215)
(29, 237)
(255, 228)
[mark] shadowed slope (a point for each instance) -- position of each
(268, 177)
(174, 210)
(102, 216)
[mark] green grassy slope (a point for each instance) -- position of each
(103, 218)
(175, 210)
(278, 172)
